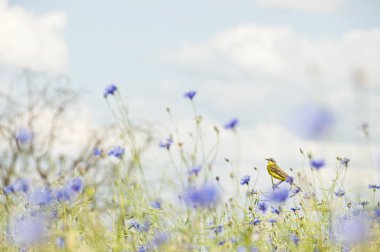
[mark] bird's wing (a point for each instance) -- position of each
(277, 170)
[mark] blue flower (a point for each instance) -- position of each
(27, 231)
(272, 221)
(62, 195)
(294, 239)
(262, 206)
(295, 191)
(276, 210)
(24, 136)
(97, 152)
(289, 179)
(340, 193)
(42, 197)
(377, 213)
(167, 143)
(144, 227)
(70, 191)
(9, 189)
(280, 195)
(374, 187)
(190, 94)
(294, 209)
(245, 180)
(117, 152)
(157, 241)
(241, 249)
(255, 222)
(218, 229)
(205, 196)
(195, 170)
(352, 231)
(363, 203)
(20, 185)
(313, 121)
(232, 124)
(155, 204)
(141, 249)
(75, 186)
(110, 90)
(60, 242)
(344, 161)
(317, 164)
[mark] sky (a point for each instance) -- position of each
(262, 61)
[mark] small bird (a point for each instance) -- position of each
(276, 172)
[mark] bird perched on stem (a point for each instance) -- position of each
(276, 172)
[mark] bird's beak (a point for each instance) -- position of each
(267, 159)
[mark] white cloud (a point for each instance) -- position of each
(32, 41)
(305, 5)
(279, 53)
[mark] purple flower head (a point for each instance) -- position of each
(276, 210)
(352, 231)
(377, 213)
(289, 179)
(374, 187)
(232, 124)
(313, 121)
(155, 204)
(24, 136)
(294, 209)
(157, 241)
(272, 221)
(75, 186)
(195, 170)
(167, 143)
(255, 222)
(295, 191)
(70, 191)
(280, 195)
(245, 180)
(317, 163)
(141, 249)
(344, 161)
(294, 239)
(9, 189)
(40, 197)
(340, 193)
(109, 90)
(20, 185)
(60, 242)
(62, 195)
(205, 196)
(241, 249)
(190, 94)
(218, 229)
(27, 231)
(117, 152)
(144, 227)
(262, 207)
(97, 152)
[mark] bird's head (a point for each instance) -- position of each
(271, 160)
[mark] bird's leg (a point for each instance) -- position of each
(272, 183)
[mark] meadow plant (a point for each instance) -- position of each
(106, 198)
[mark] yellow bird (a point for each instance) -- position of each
(276, 172)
